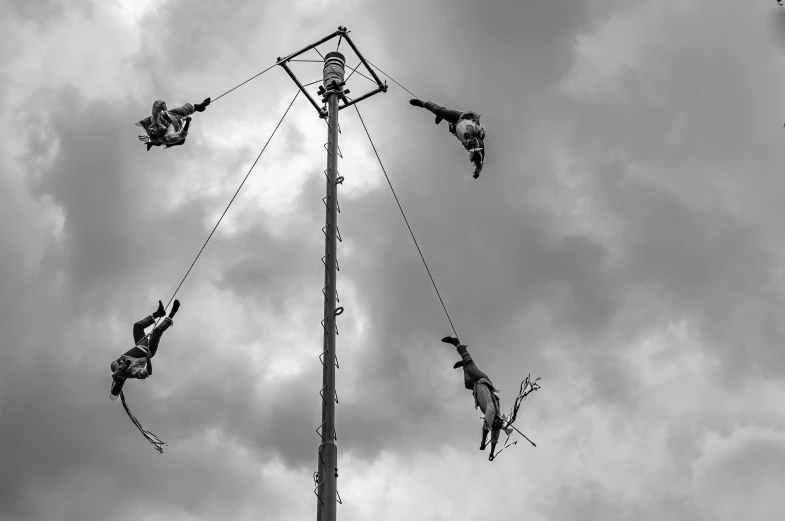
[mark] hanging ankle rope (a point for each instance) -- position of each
(156, 442)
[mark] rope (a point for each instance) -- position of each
(353, 71)
(234, 196)
(243, 83)
(152, 438)
(363, 75)
(396, 81)
(407, 222)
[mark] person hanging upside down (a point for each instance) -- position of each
(463, 125)
(137, 361)
(168, 127)
(485, 395)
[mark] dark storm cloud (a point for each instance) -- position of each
(116, 244)
(107, 254)
(47, 11)
(684, 245)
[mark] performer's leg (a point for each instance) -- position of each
(154, 120)
(484, 438)
(140, 326)
(155, 336)
(471, 373)
(158, 107)
(470, 369)
(184, 111)
(147, 321)
(448, 115)
(442, 113)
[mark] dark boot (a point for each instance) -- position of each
(484, 438)
(451, 340)
(160, 312)
(417, 102)
(175, 307)
(199, 107)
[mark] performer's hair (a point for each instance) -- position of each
(118, 380)
(155, 132)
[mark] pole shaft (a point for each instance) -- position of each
(329, 451)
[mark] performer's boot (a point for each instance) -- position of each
(451, 340)
(199, 107)
(424, 104)
(175, 307)
(484, 438)
(160, 312)
(492, 455)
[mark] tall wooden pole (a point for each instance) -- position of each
(334, 66)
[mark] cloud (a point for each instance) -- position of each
(622, 243)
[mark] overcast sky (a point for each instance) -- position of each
(624, 242)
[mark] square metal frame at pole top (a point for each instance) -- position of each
(343, 33)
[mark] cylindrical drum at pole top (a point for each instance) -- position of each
(334, 64)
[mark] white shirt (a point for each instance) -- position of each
(466, 129)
